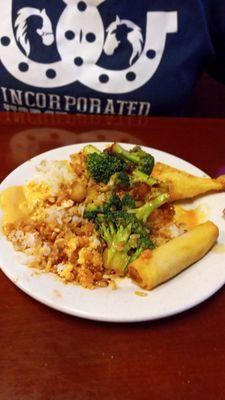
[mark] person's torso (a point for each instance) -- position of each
(100, 56)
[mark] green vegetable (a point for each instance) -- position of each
(126, 238)
(115, 256)
(119, 180)
(120, 224)
(125, 232)
(143, 161)
(91, 211)
(90, 149)
(127, 201)
(114, 203)
(117, 163)
(102, 166)
(138, 176)
(143, 212)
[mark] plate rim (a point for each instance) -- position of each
(86, 314)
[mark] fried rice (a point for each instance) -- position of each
(56, 238)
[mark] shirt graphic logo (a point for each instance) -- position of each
(81, 39)
(123, 31)
(45, 31)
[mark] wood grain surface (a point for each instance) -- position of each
(45, 354)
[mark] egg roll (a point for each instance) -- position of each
(156, 266)
(182, 185)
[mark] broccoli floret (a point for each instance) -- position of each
(115, 256)
(138, 176)
(118, 229)
(90, 149)
(114, 203)
(123, 229)
(144, 161)
(102, 166)
(120, 180)
(124, 218)
(91, 211)
(127, 202)
(142, 213)
(144, 243)
(91, 215)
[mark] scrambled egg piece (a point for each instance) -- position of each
(19, 203)
(14, 205)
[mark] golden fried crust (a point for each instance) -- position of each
(182, 185)
(157, 266)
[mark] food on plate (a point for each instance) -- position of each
(156, 266)
(104, 214)
(183, 185)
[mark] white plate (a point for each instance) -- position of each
(188, 289)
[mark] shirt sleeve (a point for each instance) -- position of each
(215, 14)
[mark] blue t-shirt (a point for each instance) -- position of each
(107, 56)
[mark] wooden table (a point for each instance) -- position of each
(48, 355)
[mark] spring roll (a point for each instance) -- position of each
(157, 266)
(182, 185)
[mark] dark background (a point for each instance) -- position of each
(208, 99)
